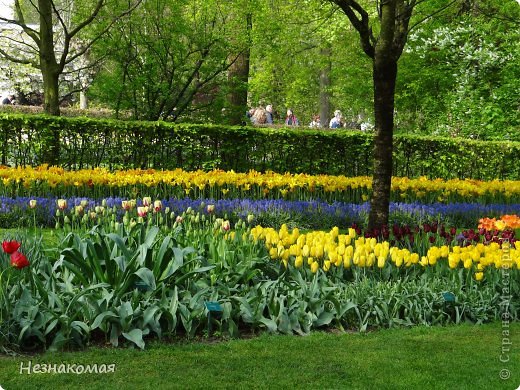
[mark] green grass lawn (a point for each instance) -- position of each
(456, 357)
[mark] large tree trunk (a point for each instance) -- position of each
(385, 50)
(385, 74)
(238, 77)
(50, 73)
(51, 100)
(325, 87)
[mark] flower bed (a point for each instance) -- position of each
(143, 276)
(141, 253)
(312, 214)
(99, 183)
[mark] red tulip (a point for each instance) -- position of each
(18, 260)
(10, 246)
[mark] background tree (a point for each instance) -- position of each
(305, 57)
(56, 41)
(460, 73)
(383, 33)
(238, 74)
(170, 60)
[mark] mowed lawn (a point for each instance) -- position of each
(455, 357)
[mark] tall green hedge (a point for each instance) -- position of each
(161, 145)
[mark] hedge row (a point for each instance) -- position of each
(160, 145)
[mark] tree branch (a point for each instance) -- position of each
(495, 15)
(19, 44)
(35, 36)
(432, 14)
(17, 60)
(64, 60)
(361, 23)
(60, 19)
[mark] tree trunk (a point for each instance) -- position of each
(238, 77)
(50, 73)
(324, 87)
(51, 100)
(384, 76)
(83, 100)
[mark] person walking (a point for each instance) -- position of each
(290, 119)
(336, 122)
(316, 122)
(269, 114)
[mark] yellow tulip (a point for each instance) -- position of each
(414, 258)
(500, 225)
(305, 250)
(62, 204)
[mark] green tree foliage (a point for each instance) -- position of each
(461, 73)
(56, 41)
(170, 59)
(288, 56)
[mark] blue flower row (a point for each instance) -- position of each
(311, 214)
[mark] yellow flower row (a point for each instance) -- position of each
(331, 249)
(283, 183)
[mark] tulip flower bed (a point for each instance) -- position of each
(332, 250)
(152, 273)
(314, 214)
(139, 254)
(100, 183)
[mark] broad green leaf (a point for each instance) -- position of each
(121, 245)
(80, 326)
(270, 323)
(135, 336)
(195, 271)
(150, 236)
(51, 326)
(148, 314)
(147, 277)
(162, 256)
(324, 319)
(100, 317)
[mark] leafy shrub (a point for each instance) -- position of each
(132, 281)
(161, 145)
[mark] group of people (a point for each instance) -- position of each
(335, 123)
(265, 116)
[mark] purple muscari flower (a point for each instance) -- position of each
(312, 213)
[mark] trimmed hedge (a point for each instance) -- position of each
(161, 145)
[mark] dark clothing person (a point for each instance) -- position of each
(269, 114)
(290, 119)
